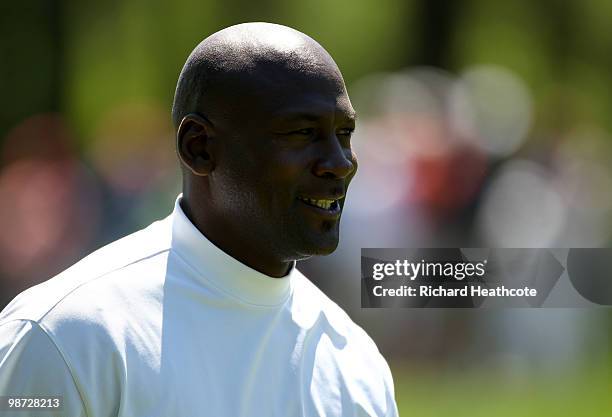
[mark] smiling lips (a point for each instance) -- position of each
(329, 205)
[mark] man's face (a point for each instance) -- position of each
(284, 160)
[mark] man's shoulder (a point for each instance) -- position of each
(357, 354)
(309, 298)
(82, 285)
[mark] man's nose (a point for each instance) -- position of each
(336, 161)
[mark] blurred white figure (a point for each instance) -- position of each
(492, 107)
(522, 208)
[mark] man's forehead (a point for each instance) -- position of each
(275, 87)
(303, 99)
(314, 111)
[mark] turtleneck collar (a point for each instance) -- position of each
(221, 270)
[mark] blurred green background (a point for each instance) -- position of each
(481, 124)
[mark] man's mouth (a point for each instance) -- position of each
(329, 205)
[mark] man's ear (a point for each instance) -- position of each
(193, 139)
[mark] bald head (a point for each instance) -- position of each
(227, 61)
(264, 126)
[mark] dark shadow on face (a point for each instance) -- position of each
(286, 149)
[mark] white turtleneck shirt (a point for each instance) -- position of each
(164, 323)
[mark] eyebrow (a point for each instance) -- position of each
(311, 117)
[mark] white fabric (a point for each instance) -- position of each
(163, 323)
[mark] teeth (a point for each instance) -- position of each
(324, 204)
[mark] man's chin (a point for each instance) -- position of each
(318, 242)
(320, 247)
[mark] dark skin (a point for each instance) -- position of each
(266, 156)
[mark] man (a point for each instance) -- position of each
(204, 313)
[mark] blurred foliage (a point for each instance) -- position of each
(485, 393)
(118, 51)
(83, 58)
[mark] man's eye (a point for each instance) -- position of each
(346, 132)
(306, 131)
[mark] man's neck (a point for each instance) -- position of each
(238, 247)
